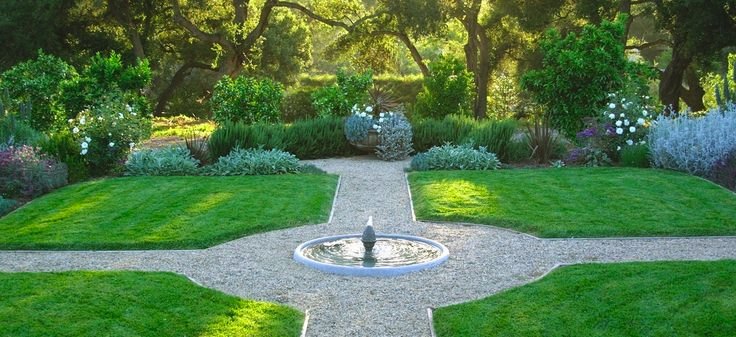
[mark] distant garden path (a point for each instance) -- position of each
(483, 260)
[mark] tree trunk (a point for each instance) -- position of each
(483, 75)
(415, 55)
(670, 82)
(693, 94)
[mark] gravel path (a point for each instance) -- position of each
(483, 260)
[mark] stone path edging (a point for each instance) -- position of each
(483, 260)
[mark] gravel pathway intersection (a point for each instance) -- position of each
(483, 260)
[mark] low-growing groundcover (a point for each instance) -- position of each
(578, 202)
(132, 304)
(628, 299)
(166, 212)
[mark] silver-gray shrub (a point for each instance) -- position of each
(242, 162)
(167, 161)
(395, 139)
(455, 157)
(693, 144)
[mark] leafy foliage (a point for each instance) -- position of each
(297, 105)
(247, 100)
(167, 161)
(26, 172)
(337, 100)
(16, 131)
(242, 162)
(447, 91)
(455, 157)
(103, 78)
(494, 135)
(578, 73)
(37, 82)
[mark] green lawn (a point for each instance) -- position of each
(629, 299)
(578, 202)
(132, 304)
(166, 212)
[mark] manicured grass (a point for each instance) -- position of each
(578, 202)
(629, 299)
(166, 212)
(132, 304)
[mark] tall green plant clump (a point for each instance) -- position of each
(448, 90)
(306, 139)
(579, 71)
(494, 135)
(246, 99)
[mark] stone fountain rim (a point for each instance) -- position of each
(370, 271)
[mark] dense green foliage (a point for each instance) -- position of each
(63, 146)
(626, 299)
(306, 139)
(578, 202)
(578, 73)
(246, 99)
(447, 91)
(297, 105)
(37, 83)
(455, 157)
(106, 77)
(197, 212)
(337, 100)
(495, 136)
(15, 130)
(129, 304)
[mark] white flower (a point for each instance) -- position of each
(100, 118)
(85, 145)
(640, 121)
(75, 130)
(629, 142)
(84, 151)
(618, 148)
(643, 142)
(632, 129)
(381, 114)
(130, 109)
(622, 115)
(618, 123)
(623, 100)
(626, 122)
(120, 115)
(114, 123)
(612, 116)
(380, 120)
(646, 97)
(111, 144)
(71, 120)
(362, 114)
(612, 106)
(644, 113)
(82, 121)
(131, 145)
(369, 108)
(133, 113)
(619, 131)
(375, 126)
(87, 139)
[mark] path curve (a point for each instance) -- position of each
(483, 260)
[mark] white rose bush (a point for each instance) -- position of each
(107, 132)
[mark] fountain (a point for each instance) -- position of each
(371, 254)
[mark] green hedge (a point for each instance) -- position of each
(494, 135)
(306, 139)
(404, 88)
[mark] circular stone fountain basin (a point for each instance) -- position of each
(392, 255)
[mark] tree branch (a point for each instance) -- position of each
(313, 15)
(649, 44)
(194, 30)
